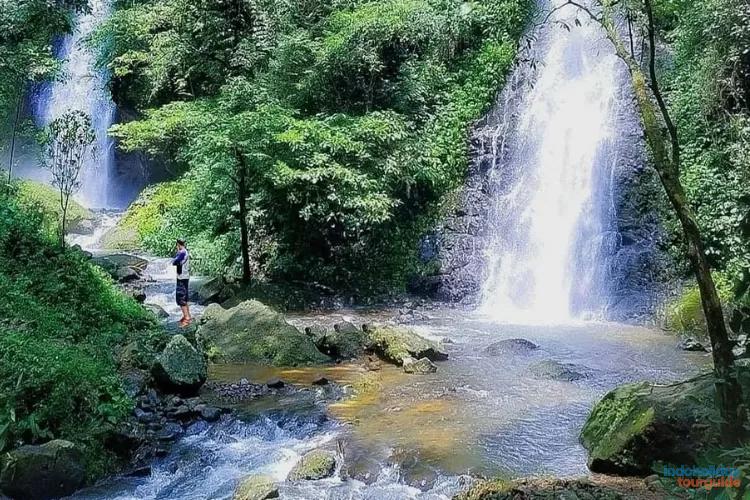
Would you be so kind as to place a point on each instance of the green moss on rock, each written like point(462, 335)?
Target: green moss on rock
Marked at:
point(317, 464)
point(396, 344)
point(636, 425)
point(253, 332)
point(256, 487)
point(180, 366)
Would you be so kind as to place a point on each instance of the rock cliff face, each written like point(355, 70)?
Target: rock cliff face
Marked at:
point(633, 264)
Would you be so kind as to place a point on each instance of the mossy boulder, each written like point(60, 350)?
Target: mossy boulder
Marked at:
point(318, 464)
point(396, 344)
point(419, 366)
point(51, 470)
point(256, 487)
point(636, 425)
point(553, 489)
point(346, 341)
point(180, 367)
point(253, 332)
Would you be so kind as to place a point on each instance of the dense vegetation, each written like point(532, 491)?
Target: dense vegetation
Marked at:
point(349, 120)
point(61, 320)
point(707, 76)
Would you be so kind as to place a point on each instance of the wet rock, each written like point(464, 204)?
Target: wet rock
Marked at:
point(52, 470)
point(690, 344)
point(139, 296)
point(143, 416)
point(275, 383)
point(180, 367)
point(320, 380)
point(208, 413)
point(511, 346)
point(142, 471)
point(85, 227)
point(256, 487)
point(111, 263)
point(134, 382)
point(636, 425)
point(318, 464)
point(346, 341)
point(157, 310)
point(422, 366)
point(552, 370)
point(253, 332)
point(210, 291)
point(169, 432)
point(548, 489)
point(395, 344)
point(127, 274)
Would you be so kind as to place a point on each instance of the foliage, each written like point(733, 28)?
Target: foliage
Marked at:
point(352, 119)
point(67, 144)
point(709, 91)
point(35, 196)
point(60, 321)
point(685, 313)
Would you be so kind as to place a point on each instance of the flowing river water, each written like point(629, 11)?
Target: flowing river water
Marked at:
point(483, 413)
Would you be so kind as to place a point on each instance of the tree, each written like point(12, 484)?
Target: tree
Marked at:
point(67, 143)
point(663, 139)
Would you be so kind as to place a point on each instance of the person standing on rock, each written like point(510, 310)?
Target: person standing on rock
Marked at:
point(182, 262)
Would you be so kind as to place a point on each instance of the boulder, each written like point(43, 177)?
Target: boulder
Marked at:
point(563, 489)
point(511, 346)
point(256, 487)
point(318, 464)
point(636, 425)
point(51, 470)
point(84, 226)
point(253, 332)
point(552, 370)
point(395, 344)
point(421, 366)
point(127, 274)
point(180, 367)
point(158, 310)
point(111, 263)
point(209, 291)
point(346, 341)
point(690, 344)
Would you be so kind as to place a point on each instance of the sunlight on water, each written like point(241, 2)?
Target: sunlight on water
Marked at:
point(544, 209)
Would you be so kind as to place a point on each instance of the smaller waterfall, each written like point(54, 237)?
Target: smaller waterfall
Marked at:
point(83, 87)
point(552, 159)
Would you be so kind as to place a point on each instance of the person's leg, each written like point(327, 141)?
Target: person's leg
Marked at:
point(186, 311)
point(181, 299)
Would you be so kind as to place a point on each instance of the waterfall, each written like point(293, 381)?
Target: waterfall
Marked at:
point(553, 150)
point(84, 88)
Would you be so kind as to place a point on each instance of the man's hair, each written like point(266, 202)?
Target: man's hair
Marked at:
point(180, 242)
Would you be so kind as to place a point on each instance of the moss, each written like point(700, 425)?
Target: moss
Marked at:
point(685, 313)
point(46, 199)
point(256, 487)
point(317, 464)
point(396, 344)
point(253, 332)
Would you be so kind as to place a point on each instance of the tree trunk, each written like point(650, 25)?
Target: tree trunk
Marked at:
point(656, 118)
point(64, 199)
point(242, 200)
point(13, 139)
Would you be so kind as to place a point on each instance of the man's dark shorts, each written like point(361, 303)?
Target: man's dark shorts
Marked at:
point(182, 292)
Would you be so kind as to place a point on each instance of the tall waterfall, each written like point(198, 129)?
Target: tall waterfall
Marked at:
point(84, 88)
point(554, 152)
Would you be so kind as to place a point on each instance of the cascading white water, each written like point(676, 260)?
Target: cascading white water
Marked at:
point(552, 160)
point(83, 87)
